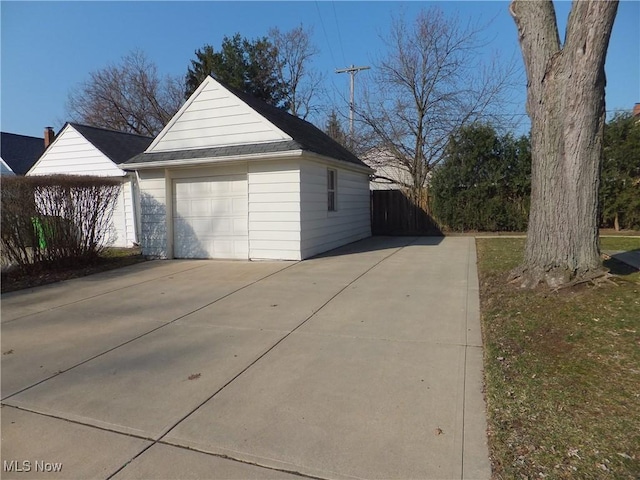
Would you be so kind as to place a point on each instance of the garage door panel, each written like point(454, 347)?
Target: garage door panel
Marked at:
point(210, 217)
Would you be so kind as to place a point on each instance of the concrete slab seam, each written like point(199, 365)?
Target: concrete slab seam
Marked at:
point(77, 422)
point(238, 460)
point(187, 415)
point(59, 372)
point(150, 439)
point(101, 294)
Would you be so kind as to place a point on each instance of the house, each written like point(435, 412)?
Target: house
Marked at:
point(233, 177)
point(389, 173)
point(18, 153)
point(83, 150)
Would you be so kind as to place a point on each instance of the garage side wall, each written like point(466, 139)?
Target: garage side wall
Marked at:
point(323, 230)
point(153, 211)
point(274, 210)
point(123, 219)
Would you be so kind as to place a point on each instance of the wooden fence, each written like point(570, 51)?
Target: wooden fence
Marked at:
point(394, 213)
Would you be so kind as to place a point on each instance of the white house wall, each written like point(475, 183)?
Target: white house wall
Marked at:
point(214, 117)
point(274, 210)
point(153, 213)
point(123, 216)
point(72, 154)
point(323, 230)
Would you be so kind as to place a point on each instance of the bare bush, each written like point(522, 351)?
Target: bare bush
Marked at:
point(57, 220)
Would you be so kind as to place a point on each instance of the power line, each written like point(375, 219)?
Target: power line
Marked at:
point(335, 16)
point(325, 35)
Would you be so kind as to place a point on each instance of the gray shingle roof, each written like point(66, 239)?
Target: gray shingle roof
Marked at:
point(20, 152)
point(305, 137)
point(229, 151)
point(118, 146)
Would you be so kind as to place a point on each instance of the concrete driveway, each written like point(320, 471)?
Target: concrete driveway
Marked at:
point(365, 362)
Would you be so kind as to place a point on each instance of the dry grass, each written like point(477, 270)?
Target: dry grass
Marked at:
point(562, 371)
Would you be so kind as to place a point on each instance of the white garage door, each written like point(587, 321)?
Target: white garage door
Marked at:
point(210, 217)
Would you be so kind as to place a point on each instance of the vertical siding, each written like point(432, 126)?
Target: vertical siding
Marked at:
point(274, 210)
point(153, 224)
point(323, 230)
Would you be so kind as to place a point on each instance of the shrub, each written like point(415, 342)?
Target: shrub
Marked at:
point(484, 182)
point(58, 219)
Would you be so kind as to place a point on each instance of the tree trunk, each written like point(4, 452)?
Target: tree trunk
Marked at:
point(565, 101)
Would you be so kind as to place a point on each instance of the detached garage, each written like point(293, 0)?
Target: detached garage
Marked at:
point(233, 177)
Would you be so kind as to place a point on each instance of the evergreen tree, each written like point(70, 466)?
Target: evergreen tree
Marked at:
point(483, 182)
point(250, 66)
point(620, 179)
point(333, 128)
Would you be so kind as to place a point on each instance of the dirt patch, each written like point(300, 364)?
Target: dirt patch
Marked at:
point(14, 279)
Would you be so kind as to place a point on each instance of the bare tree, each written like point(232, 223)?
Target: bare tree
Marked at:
point(565, 101)
point(130, 97)
point(430, 84)
point(295, 51)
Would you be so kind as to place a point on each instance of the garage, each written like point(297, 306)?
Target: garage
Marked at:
point(231, 176)
point(210, 217)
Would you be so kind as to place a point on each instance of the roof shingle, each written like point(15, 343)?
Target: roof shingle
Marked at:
point(20, 152)
point(118, 146)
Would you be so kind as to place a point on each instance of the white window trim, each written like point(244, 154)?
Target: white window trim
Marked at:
point(333, 190)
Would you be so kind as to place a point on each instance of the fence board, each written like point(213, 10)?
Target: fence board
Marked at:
point(393, 213)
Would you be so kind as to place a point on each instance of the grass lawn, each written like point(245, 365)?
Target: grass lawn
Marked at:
point(562, 371)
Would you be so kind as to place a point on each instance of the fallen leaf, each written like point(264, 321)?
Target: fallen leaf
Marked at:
point(573, 452)
point(194, 376)
point(8, 352)
point(439, 431)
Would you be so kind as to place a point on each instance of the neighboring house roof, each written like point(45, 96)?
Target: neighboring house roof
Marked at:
point(304, 136)
point(20, 152)
point(118, 146)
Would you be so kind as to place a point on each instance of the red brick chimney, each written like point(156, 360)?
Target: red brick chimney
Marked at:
point(636, 110)
point(49, 136)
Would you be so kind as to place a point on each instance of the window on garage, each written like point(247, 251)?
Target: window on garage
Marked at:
point(332, 194)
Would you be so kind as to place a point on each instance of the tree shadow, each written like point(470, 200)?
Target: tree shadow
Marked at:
point(617, 266)
point(153, 232)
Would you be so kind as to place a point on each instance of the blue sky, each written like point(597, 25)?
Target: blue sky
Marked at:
point(48, 48)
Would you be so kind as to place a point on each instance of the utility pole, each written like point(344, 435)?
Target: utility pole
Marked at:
point(352, 70)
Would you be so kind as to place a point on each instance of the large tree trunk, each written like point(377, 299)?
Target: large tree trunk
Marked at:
point(565, 101)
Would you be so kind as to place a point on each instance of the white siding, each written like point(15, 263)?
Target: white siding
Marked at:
point(153, 213)
point(323, 230)
point(124, 233)
point(274, 210)
point(72, 154)
point(214, 117)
